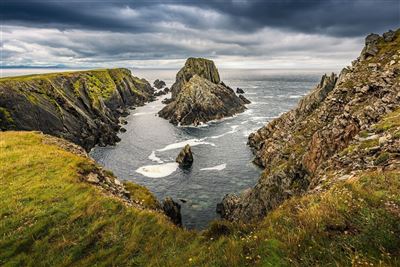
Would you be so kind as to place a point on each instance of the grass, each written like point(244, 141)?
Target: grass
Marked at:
point(49, 216)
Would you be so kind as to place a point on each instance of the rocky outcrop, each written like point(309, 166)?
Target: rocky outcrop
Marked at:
point(301, 149)
point(199, 96)
point(195, 66)
point(159, 84)
point(83, 107)
point(239, 91)
point(185, 157)
point(162, 92)
point(172, 210)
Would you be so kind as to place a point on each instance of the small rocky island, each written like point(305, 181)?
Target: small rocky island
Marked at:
point(198, 95)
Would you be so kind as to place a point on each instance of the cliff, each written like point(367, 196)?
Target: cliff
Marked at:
point(346, 126)
point(199, 96)
point(202, 67)
point(82, 107)
point(59, 208)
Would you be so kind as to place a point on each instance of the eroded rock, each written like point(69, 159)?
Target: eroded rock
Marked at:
point(172, 210)
point(185, 157)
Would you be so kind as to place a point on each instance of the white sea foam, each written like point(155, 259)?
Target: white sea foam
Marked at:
point(295, 96)
point(191, 142)
point(243, 122)
point(234, 129)
point(251, 93)
point(268, 96)
point(142, 113)
point(153, 157)
point(215, 168)
point(158, 171)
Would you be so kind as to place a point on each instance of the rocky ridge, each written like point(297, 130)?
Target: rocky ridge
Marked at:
point(198, 95)
point(347, 125)
point(83, 107)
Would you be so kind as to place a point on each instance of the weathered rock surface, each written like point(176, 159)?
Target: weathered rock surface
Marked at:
point(83, 107)
point(159, 84)
point(320, 142)
point(185, 157)
point(172, 210)
point(202, 67)
point(162, 92)
point(199, 96)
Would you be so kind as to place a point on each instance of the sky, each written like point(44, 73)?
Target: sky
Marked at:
point(162, 34)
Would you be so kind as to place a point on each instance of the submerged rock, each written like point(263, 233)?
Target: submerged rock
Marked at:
point(185, 157)
point(172, 210)
point(199, 96)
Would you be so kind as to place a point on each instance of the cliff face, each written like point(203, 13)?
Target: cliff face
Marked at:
point(82, 107)
point(340, 129)
point(202, 67)
point(199, 96)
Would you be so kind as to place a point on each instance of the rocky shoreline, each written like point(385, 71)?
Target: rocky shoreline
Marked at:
point(331, 135)
point(83, 107)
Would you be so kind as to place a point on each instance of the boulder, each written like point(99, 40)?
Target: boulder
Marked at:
point(371, 48)
point(389, 36)
point(159, 84)
point(239, 91)
point(172, 210)
point(185, 157)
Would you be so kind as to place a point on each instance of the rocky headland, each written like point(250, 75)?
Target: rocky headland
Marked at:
point(347, 126)
point(198, 95)
point(83, 107)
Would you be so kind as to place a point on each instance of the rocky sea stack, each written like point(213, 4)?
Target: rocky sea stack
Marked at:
point(198, 95)
point(185, 157)
point(83, 107)
point(347, 127)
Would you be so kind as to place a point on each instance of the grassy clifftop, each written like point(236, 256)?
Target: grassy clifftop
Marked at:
point(50, 216)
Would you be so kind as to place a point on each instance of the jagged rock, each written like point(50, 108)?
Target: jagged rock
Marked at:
point(320, 139)
point(185, 157)
point(167, 101)
point(202, 67)
point(159, 84)
point(162, 92)
point(239, 91)
point(389, 36)
point(198, 95)
point(370, 48)
point(122, 130)
point(172, 210)
point(83, 107)
point(244, 100)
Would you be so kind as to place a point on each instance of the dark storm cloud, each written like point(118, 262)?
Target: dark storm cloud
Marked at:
point(330, 17)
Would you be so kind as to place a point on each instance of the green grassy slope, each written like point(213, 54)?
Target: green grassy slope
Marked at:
point(49, 217)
